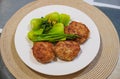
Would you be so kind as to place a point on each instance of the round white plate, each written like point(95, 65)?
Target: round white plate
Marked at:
point(88, 51)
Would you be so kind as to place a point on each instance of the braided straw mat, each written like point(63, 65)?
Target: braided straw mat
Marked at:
point(100, 68)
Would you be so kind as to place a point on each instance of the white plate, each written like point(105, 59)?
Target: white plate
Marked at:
point(89, 49)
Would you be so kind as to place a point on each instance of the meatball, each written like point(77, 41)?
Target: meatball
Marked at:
point(43, 52)
point(67, 50)
point(79, 29)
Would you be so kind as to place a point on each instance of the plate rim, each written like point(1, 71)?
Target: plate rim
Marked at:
point(64, 73)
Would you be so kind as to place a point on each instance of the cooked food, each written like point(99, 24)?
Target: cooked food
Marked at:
point(52, 23)
point(55, 28)
point(67, 50)
point(79, 29)
point(43, 52)
point(56, 33)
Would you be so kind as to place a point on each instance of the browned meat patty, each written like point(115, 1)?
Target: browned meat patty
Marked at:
point(79, 29)
point(43, 51)
point(67, 50)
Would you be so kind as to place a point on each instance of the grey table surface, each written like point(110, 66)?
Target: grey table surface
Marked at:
point(112, 2)
point(9, 7)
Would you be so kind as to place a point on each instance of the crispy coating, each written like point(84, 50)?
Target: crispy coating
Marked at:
point(79, 29)
point(67, 50)
point(43, 52)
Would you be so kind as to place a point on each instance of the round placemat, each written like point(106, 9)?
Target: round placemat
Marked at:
point(100, 68)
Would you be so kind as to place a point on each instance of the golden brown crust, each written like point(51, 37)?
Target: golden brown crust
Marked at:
point(43, 52)
point(67, 50)
point(79, 29)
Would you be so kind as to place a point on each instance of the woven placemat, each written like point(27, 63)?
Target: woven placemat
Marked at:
point(100, 68)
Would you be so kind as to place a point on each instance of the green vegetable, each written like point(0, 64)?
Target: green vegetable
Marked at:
point(52, 37)
point(35, 23)
point(46, 26)
point(41, 23)
point(33, 33)
point(58, 28)
point(65, 19)
point(50, 28)
point(38, 32)
point(30, 35)
point(53, 17)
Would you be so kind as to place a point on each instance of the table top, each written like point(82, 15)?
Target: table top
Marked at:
point(6, 11)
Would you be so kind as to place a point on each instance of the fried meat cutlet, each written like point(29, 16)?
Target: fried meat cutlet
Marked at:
point(43, 52)
point(78, 29)
point(67, 50)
